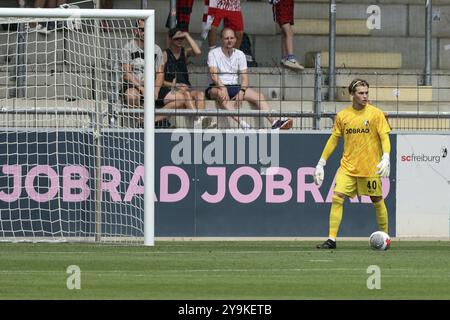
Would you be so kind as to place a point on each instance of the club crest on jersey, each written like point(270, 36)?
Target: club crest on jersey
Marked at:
point(366, 123)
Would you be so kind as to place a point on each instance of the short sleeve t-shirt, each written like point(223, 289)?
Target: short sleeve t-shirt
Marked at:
point(134, 55)
point(228, 67)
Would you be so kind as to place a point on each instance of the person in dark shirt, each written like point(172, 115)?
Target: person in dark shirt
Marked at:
point(177, 88)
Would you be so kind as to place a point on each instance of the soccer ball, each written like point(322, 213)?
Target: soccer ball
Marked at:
point(380, 240)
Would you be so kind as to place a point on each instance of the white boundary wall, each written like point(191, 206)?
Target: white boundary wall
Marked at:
point(423, 185)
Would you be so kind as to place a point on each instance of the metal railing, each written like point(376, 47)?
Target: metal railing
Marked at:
point(288, 94)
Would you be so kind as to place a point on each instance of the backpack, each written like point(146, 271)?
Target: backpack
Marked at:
point(246, 47)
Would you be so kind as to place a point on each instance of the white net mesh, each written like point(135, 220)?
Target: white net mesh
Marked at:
point(71, 162)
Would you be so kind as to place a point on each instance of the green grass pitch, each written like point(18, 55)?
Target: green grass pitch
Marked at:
point(288, 270)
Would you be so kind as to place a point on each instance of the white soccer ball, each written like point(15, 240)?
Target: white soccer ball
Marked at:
point(379, 240)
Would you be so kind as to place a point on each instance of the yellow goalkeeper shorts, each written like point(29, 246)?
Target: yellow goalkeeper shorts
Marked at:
point(362, 186)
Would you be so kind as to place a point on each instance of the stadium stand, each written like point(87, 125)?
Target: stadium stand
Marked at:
point(391, 58)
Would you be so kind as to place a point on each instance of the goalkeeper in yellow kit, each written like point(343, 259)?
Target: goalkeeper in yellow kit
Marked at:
point(365, 158)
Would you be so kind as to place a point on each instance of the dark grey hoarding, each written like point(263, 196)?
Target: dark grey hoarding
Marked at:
point(208, 184)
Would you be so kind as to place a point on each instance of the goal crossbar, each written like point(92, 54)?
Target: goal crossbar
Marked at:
point(82, 13)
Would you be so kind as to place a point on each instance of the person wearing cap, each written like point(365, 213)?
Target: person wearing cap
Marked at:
point(177, 86)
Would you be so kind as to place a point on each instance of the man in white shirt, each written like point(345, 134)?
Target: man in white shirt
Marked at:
point(226, 65)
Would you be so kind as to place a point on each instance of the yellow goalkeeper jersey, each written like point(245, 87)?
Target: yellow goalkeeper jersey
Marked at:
point(362, 145)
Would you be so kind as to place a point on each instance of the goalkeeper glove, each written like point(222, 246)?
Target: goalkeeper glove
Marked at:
point(384, 166)
point(319, 173)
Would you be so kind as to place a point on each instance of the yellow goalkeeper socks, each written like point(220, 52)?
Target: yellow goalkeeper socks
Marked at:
point(337, 207)
point(382, 215)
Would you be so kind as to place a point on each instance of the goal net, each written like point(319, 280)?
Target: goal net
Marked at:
point(71, 158)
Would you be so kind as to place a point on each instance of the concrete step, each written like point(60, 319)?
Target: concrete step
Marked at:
point(377, 77)
point(46, 121)
point(392, 93)
point(42, 104)
point(379, 60)
point(321, 26)
point(411, 49)
point(70, 46)
point(4, 92)
point(277, 78)
point(418, 123)
point(394, 107)
point(276, 84)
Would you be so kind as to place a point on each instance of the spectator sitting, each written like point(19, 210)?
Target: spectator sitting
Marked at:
point(225, 65)
point(133, 67)
point(133, 74)
point(177, 87)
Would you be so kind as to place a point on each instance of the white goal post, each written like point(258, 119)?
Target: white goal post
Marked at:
point(71, 164)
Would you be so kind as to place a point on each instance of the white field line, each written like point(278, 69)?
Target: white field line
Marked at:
point(321, 260)
point(152, 272)
point(184, 252)
point(355, 272)
point(289, 239)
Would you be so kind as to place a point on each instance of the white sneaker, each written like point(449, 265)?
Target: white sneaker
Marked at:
point(198, 123)
point(202, 122)
point(244, 125)
point(292, 63)
point(207, 122)
point(283, 124)
point(213, 125)
point(29, 28)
